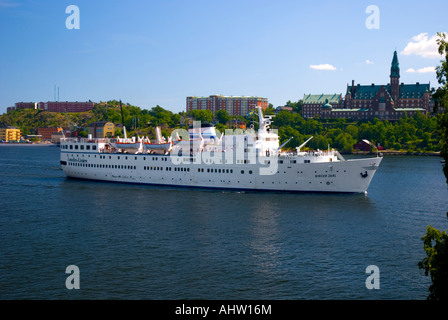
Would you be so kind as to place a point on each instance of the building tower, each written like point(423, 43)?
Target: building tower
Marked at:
point(395, 78)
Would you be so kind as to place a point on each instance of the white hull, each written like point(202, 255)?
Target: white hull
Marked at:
point(341, 176)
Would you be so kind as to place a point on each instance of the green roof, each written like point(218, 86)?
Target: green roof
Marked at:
point(349, 110)
point(406, 90)
point(322, 98)
point(410, 109)
point(364, 92)
point(413, 90)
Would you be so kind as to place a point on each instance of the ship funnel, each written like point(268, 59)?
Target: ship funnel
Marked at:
point(158, 135)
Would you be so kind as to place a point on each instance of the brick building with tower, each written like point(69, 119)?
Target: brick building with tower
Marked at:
point(385, 102)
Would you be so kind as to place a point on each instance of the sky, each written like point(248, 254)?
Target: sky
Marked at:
point(150, 53)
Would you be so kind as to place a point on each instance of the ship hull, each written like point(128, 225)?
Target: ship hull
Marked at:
point(291, 174)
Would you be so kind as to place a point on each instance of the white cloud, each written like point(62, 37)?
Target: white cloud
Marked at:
point(421, 70)
point(369, 62)
point(325, 66)
point(422, 45)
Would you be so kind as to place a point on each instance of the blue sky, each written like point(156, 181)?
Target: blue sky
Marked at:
point(152, 53)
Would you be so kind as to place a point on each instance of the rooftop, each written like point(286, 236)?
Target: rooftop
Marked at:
point(322, 98)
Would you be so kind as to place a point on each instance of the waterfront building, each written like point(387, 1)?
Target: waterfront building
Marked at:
point(365, 102)
point(101, 129)
point(66, 106)
point(10, 134)
point(282, 108)
point(313, 103)
point(54, 106)
point(46, 133)
point(234, 105)
point(25, 105)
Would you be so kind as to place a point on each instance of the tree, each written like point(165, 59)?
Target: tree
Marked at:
point(441, 99)
point(435, 241)
point(436, 262)
point(223, 116)
point(296, 106)
point(201, 115)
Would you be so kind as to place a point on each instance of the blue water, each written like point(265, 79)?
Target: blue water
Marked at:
point(140, 242)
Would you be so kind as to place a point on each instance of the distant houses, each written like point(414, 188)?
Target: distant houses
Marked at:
point(365, 145)
point(9, 134)
point(101, 129)
point(54, 106)
point(46, 133)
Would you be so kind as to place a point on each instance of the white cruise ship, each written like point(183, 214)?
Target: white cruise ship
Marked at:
point(201, 157)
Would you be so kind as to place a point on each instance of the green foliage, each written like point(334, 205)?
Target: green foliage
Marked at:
point(441, 99)
point(417, 133)
point(436, 242)
point(201, 115)
point(436, 262)
point(296, 106)
point(222, 116)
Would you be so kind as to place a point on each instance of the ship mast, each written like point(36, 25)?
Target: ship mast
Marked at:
point(122, 122)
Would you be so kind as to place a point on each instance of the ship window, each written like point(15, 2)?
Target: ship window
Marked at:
point(71, 147)
point(76, 147)
point(93, 147)
point(250, 171)
point(82, 147)
point(242, 171)
point(231, 170)
point(199, 170)
point(88, 147)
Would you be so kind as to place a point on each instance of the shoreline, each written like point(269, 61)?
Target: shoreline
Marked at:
point(7, 144)
point(397, 153)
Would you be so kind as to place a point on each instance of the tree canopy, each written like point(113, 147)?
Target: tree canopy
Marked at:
point(435, 242)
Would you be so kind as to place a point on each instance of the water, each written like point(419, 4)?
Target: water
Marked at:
point(140, 242)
